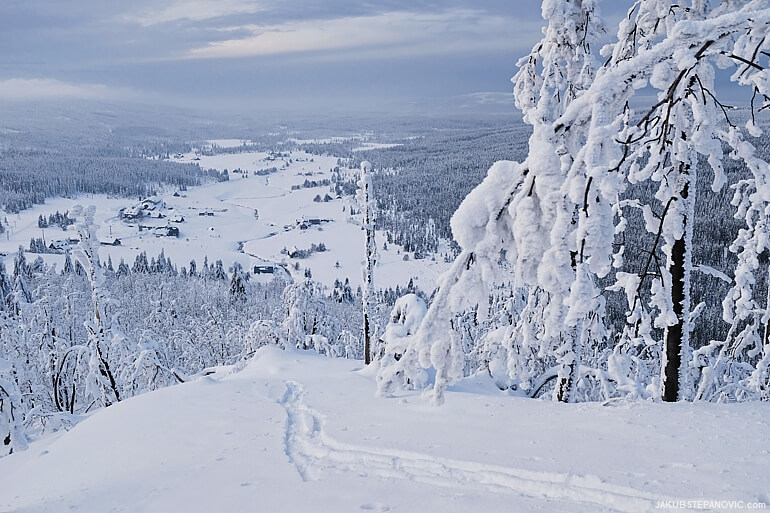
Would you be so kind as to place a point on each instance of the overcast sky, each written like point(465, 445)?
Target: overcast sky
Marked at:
point(273, 54)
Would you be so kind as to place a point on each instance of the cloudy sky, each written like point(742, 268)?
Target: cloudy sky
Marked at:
point(266, 54)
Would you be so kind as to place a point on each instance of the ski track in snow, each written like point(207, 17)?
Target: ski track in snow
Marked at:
point(311, 451)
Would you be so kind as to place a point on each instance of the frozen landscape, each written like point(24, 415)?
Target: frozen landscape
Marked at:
point(251, 219)
point(295, 258)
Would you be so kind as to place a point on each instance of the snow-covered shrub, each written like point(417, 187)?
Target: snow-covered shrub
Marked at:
point(306, 315)
point(397, 367)
point(264, 333)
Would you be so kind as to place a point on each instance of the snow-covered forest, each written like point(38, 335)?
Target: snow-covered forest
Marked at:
point(589, 153)
point(610, 250)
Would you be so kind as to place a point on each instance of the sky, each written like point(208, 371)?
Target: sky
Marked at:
point(318, 55)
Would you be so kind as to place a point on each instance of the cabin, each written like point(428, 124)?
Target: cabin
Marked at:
point(177, 219)
point(152, 203)
point(59, 245)
point(131, 213)
point(114, 241)
point(311, 221)
point(307, 222)
point(264, 269)
point(166, 231)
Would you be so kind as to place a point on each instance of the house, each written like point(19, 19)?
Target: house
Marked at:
point(177, 219)
point(152, 203)
point(131, 213)
point(166, 231)
point(59, 245)
point(311, 221)
point(157, 215)
point(307, 222)
point(114, 241)
point(172, 231)
point(206, 213)
point(264, 269)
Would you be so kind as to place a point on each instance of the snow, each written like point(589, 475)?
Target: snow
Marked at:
point(233, 204)
point(294, 431)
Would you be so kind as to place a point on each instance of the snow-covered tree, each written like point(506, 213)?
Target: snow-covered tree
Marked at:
point(675, 49)
point(238, 281)
point(518, 203)
point(306, 318)
point(6, 288)
point(588, 149)
point(12, 433)
point(366, 201)
point(109, 350)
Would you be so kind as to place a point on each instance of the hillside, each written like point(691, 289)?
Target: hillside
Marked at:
point(294, 431)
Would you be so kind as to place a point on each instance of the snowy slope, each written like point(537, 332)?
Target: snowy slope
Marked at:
point(295, 432)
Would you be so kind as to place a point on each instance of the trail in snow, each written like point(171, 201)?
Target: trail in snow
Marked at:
point(312, 451)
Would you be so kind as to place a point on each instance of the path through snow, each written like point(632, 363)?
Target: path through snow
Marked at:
point(312, 451)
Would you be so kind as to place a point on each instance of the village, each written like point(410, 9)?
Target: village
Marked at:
point(284, 224)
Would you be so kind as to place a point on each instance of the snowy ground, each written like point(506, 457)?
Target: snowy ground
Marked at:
point(295, 432)
point(233, 223)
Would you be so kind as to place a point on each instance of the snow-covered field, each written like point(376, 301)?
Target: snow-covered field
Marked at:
point(254, 220)
point(375, 146)
point(296, 432)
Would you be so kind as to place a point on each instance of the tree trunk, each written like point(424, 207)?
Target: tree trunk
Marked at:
point(676, 334)
point(564, 384)
point(367, 340)
point(568, 371)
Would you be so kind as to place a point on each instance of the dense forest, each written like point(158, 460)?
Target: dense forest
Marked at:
point(29, 177)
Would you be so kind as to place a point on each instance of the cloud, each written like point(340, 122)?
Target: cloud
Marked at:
point(390, 33)
point(47, 88)
point(193, 10)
